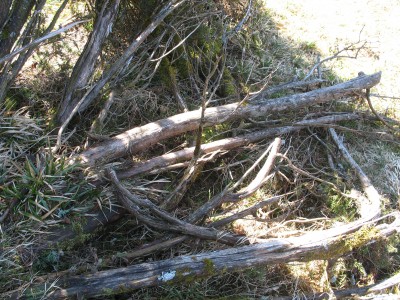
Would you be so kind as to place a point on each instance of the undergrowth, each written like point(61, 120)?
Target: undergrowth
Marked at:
point(47, 191)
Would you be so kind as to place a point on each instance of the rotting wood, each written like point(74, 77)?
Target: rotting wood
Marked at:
point(316, 245)
point(142, 137)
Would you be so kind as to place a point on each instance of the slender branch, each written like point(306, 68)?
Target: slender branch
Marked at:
point(369, 210)
point(41, 40)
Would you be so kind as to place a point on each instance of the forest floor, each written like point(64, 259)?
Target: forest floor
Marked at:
point(280, 44)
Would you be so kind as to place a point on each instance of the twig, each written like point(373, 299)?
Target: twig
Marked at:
point(40, 40)
point(239, 26)
point(227, 195)
point(367, 94)
point(337, 55)
point(194, 167)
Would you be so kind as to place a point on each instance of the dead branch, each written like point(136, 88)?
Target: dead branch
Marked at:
point(310, 246)
point(84, 67)
point(134, 205)
point(371, 209)
point(141, 138)
point(40, 40)
point(173, 158)
point(352, 47)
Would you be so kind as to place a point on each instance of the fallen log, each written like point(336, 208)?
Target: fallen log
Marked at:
point(173, 158)
point(317, 245)
point(142, 137)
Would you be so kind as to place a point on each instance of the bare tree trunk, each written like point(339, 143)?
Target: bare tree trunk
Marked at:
point(5, 7)
point(141, 138)
point(18, 16)
point(83, 69)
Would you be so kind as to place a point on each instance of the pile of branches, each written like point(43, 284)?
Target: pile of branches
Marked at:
point(239, 251)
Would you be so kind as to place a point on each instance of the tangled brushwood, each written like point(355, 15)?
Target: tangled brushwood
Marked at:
point(148, 144)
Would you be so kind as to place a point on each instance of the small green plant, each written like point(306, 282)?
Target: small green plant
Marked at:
point(46, 186)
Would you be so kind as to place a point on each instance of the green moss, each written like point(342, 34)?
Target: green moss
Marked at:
point(209, 267)
point(346, 244)
point(228, 85)
point(167, 74)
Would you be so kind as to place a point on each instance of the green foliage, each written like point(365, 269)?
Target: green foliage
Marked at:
point(48, 260)
point(46, 186)
point(228, 86)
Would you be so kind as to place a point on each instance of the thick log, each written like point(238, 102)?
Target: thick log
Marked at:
point(166, 160)
point(317, 245)
point(141, 138)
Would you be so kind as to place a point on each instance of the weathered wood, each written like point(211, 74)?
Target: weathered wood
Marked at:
point(135, 204)
point(141, 138)
point(186, 154)
point(316, 245)
point(84, 67)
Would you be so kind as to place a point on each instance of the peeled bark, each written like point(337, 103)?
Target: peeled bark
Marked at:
point(141, 138)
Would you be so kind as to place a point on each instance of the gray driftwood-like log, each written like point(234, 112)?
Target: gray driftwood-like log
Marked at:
point(141, 138)
point(316, 245)
point(173, 158)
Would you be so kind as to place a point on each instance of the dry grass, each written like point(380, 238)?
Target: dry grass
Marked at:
point(328, 26)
